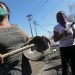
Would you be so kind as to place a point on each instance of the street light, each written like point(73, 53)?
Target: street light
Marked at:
point(29, 19)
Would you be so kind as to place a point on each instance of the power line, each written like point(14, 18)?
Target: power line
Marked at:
point(34, 8)
point(41, 7)
point(50, 11)
point(42, 28)
point(47, 31)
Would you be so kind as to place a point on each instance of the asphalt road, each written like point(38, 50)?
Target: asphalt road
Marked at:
point(50, 65)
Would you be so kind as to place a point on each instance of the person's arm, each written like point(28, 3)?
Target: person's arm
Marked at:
point(24, 33)
point(1, 59)
point(74, 34)
point(73, 28)
point(58, 36)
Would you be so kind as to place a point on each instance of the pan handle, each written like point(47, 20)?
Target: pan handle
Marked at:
point(17, 50)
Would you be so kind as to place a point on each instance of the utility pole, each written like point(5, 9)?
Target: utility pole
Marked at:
point(35, 27)
point(29, 19)
point(50, 35)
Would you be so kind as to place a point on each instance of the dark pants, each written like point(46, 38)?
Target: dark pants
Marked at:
point(67, 58)
point(26, 67)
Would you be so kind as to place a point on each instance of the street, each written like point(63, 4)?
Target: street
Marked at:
point(48, 65)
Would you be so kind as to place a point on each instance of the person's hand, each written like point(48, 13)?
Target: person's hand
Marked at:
point(1, 59)
point(65, 33)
